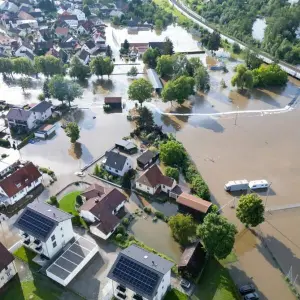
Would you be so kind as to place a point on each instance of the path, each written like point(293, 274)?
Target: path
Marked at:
point(292, 70)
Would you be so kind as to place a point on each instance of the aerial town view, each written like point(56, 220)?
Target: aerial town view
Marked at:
point(149, 149)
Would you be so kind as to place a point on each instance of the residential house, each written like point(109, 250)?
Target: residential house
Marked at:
point(25, 16)
point(25, 8)
point(140, 274)
point(79, 13)
point(113, 102)
point(103, 208)
point(85, 27)
point(44, 228)
point(42, 47)
point(84, 56)
point(61, 31)
point(7, 266)
point(5, 42)
point(99, 39)
point(126, 146)
point(38, 15)
point(8, 6)
point(192, 205)
point(71, 20)
point(153, 181)
point(25, 29)
point(116, 13)
point(8, 164)
point(117, 163)
point(18, 184)
point(24, 120)
point(147, 158)
point(90, 47)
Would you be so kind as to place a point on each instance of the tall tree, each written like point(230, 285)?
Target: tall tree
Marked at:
point(73, 132)
point(150, 56)
point(133, 71)
point(25, 83)
point(168, 47)
point(6, 65)
point(183, 228)
point(23, 66)
point(165, 65)
point(243, 78)
point(48, 65)
point(178, 89)
point(86, 11)
point(101, 66)
point(172, 153)
point(140, 90)
point(108, 51)
point(214, 41)
point(217, 235)
point(46, 91)
point(78, 69)
point(202, 79)
point(251, 59)
point(250, 210)
point(145, 119)
point(126, 45)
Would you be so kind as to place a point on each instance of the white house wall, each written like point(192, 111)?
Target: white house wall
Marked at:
point(164, 286)
point(145, 188)
point(7, 273)
point(88, 216)
point(127, 166)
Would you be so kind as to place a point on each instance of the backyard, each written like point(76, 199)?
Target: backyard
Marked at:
point(175, 295)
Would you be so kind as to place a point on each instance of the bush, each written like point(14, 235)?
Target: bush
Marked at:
point(79, 200)
point(147, 210)
point(4, 155)
point(159, 215)
point(125, 222)
point(4, 143)
point(200, 188)
point(106, 108)
point(25, 141)
point(41, 97)
point(172, 172)
point(53, 200)
point(236, 48)
point(119, 237)
point(131, 238)
point(121, 229)
point(76, 220)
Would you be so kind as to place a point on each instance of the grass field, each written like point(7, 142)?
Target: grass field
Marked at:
point(27, 256)
point(215, 284)
point(175, 295)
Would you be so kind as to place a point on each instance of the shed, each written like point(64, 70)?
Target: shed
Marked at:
point(192, 259)
point(126, 146)
point(147, 158)
point(154, 79)
point(45, 131)
point(113, 102)
point(195, 206)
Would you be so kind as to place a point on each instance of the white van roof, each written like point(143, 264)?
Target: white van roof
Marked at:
point(258, 182)
point(236, 182)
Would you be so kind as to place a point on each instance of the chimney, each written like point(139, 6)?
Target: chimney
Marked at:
point(54, 215)
point(97, 200)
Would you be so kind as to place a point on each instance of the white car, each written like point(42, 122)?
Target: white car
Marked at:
point(80, 174)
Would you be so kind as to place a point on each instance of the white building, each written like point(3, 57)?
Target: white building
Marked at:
point(117, 163)
point(44, 228)
point(71, 20)
point(79, 13)
point(18, 184)
point(7, 267)
point(100, 208)
point(8, 163)
point(153, 181)
point(139, 274)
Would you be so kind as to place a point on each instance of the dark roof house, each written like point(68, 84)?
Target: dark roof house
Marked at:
point(5, 257)
point(113, 102)
point(147, 158)
point(93, 191)
point(126, 146)
point(18, 114)
point(41, 107)
point(115, 160)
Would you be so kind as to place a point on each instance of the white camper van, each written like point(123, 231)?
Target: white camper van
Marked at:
point(237, 185)
point(258, 184)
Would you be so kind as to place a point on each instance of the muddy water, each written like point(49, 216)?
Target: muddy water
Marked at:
point(156, 235)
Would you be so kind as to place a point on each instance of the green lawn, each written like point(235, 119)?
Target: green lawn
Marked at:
point(41, 288)
point(175, 295)
point(231, 258)
point(215, 284)
point(27, 256)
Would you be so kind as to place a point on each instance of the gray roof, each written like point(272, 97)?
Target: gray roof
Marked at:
point(90, 44)
point(40, 219)
point(41, 107)
point(146, 156)
point(126, 144)
point(18, 114)
point(154, 79)
point(115, 160)
point(141, 271)
point(83, 54)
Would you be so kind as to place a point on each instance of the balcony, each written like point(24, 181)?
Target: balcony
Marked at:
point(37, 242)
point(121, 296)
point(25, 236)
point(121, 288)
point(38, 249)
point(137, 297)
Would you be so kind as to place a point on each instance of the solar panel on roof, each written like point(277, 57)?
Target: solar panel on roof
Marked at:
point(142, 279)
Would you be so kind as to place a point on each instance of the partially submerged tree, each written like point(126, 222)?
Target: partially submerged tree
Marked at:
point(133, 71)
point(165, 65)
point(145, 119)
point(202, 79)
point(150, 57)
point(140, 90)
point(217, 235)
point(168, 47)
point(78, 69)
point(243, 78)
point(23, 66)
point(48, 65)
point(250, 210)
point(101, 66)
point(6, 66)
point(72, 131)
point(172, 153)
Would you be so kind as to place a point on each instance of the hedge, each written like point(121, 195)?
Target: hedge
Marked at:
point(25, 141)
point(4, 143)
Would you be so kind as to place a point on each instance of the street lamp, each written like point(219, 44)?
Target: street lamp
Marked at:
point(236, 115)
point(267, 194)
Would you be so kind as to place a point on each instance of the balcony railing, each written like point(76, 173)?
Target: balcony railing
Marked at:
point(137, 297)
point(121, 288)
point(121, 296)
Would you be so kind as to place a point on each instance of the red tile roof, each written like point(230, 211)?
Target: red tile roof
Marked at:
point(61, 30)
point(5, 257)
point(109, 100)
point(153, 176)
point(194, 202)
point(20, 179)
point(95, 190)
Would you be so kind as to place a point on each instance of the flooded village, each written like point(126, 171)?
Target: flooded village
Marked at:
point(227, 134)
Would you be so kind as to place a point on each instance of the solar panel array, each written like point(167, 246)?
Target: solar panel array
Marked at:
point(140, 278)
point(36, 224)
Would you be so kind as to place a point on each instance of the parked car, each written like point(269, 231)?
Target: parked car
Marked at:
point(258, 184)
point(252, 296)
point(246, 289)
point(80, 174)
point(237, 185)
point(185, 284)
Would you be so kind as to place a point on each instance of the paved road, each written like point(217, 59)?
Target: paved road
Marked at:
point(291, 70)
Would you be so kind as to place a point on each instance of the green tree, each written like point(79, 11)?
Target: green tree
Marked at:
point(86, 11)
point(88, 2)
point(46, 91)
point(251, 60)
point(23, 66)
point(108, 51)
point(236, 48)
point(6, 65)
point(178, 89)
point(165, 64)
point(243, 78)
point(79, 200)
point(133, 71)
point(250, 210)
point(25, 83)
point(145, 119)
point(172, 172)
point(168, 47)
point(101, 66)
point(202, 79)
point(214, 41)
point(217, 235)
point(172, 153)
point(48, 65)
point(126, 46)
point(200, 188)
point(140, 90)
point(183, 228)
point(150, 56)
point(270, 75)
point(72, 131)
point(78, 69)
point(159, 24)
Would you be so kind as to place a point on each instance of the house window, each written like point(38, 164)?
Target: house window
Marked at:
point(52, 237)
point(117, 171)
point(54, 244)
point(140, 184)
point(148, 188)
point(163, 186)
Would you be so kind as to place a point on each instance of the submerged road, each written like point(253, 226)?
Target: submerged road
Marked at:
point(290, 69)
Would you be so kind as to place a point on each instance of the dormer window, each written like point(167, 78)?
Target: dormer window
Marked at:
point(18, 185)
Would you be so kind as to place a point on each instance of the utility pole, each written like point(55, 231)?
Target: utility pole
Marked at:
point(267, 194)
point(236, 115)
